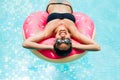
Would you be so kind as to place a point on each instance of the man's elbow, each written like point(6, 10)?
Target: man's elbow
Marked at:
point(98, 48)
point(25, 44)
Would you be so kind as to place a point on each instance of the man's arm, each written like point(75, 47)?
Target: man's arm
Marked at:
point(87, 43)
point(90, 47)
point(31, 43)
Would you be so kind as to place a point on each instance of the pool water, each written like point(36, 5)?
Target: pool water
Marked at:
point(18, 63)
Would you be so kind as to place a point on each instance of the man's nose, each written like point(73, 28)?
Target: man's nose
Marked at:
point(63, 36)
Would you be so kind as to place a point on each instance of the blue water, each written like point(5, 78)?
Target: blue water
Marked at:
point(17, 63)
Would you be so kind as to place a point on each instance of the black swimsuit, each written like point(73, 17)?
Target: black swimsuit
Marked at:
point(53, 16)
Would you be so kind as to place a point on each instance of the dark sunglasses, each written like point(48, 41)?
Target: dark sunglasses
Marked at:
point(66, 41)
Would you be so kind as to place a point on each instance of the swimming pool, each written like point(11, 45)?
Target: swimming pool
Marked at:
point(17, 63)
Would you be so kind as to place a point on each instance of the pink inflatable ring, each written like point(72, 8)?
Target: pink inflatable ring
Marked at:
point(37, 21)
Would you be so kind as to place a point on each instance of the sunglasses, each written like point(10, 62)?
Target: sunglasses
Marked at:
point(66, 41)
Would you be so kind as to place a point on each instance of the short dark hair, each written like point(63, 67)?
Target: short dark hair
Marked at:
point(62, 53)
